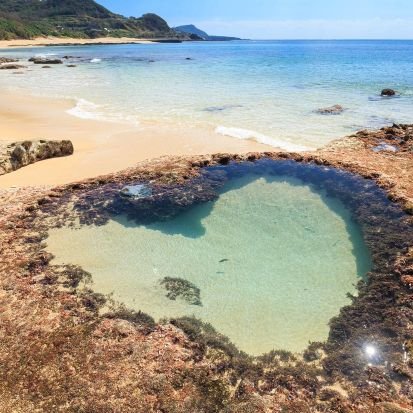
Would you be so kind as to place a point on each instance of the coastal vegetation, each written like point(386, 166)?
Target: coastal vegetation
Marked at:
point(26, 19)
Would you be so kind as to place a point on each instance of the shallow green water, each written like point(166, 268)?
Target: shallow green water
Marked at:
point(273, 259)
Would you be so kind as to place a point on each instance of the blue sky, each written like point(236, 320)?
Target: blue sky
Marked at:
point(282, 19)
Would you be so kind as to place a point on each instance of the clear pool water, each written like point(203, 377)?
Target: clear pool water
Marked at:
point(273, 258)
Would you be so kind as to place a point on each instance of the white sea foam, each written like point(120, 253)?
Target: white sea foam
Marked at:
point(84, 110)
point(260, 138)
point(44, 55)
point(95, 60)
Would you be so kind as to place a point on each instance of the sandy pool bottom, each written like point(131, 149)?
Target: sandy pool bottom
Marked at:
point(273, 259)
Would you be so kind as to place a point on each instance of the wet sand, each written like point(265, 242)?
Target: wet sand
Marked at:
point(100, 147)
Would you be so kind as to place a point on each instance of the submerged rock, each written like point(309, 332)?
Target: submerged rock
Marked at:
point(180, 288)
point(388, 92)
point(221, 108)
point(331, 110)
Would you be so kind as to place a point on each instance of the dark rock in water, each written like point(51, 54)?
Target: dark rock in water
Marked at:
point(45, 61)
point(11, 66)
point(332, 110)
point(46, 67)
point(189, 58)
point(388, 92)
point(136, 191)
point(71, 66)
point(179, 288)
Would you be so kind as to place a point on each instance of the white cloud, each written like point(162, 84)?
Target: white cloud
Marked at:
point(376, 28)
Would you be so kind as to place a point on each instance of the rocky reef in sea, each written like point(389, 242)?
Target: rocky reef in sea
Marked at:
point(180, 288)
point(77, 350)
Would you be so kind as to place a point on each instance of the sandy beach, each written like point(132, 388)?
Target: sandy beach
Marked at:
point(47, 41)
point(100, 147)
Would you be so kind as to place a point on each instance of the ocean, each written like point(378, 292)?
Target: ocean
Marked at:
point(268, 91)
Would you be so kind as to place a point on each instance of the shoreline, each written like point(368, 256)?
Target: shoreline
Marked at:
point(68, 41)
point(101, 147)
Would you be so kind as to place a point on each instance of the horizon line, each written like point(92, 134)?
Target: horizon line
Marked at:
point(322, 39)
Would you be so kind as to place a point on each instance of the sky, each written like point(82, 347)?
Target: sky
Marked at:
point(282, 19)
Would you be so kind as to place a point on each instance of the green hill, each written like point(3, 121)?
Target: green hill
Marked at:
point(74, 18)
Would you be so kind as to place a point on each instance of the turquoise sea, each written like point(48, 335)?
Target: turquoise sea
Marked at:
point(268, 91)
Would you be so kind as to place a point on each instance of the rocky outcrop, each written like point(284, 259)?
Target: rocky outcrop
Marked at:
point(45, 61)
point(331, 110)
point(7, 60)
point(15, 155)
point(388, 92)
point(11, 66)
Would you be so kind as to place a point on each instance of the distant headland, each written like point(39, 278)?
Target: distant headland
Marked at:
point(197, 34)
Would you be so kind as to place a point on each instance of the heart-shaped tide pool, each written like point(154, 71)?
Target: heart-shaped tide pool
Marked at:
point(273, 260)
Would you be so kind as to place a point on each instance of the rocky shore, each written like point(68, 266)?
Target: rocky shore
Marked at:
point(15, 155)
point(64, 347)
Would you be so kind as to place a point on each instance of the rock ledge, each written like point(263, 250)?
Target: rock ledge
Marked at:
point(15, 155)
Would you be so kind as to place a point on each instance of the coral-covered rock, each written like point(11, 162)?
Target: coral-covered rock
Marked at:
point(61, 350)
